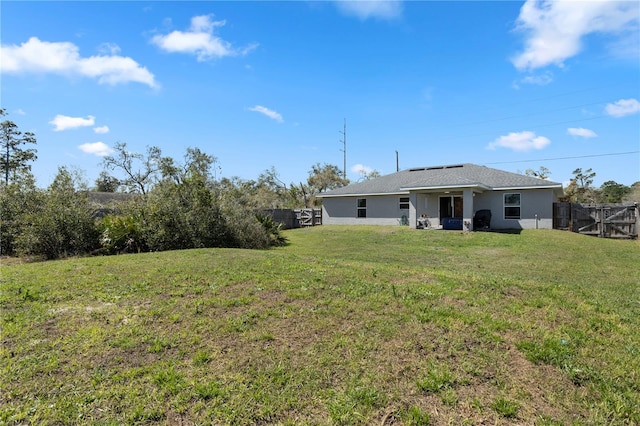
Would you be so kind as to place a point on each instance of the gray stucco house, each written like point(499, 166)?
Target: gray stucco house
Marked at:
point(444, 192)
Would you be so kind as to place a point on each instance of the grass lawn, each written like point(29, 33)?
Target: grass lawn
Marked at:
point(346, 325)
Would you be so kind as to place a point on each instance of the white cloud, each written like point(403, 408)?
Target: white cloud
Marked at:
point(100, 149)
point(623, 107)
point(364, 9)
point(109, 49)
point(269, 113)
point(37, 56)
point(538, 80)
point(555, 28)
point(199, 40)
point(583, 133)
point(520, 141)
point(101, 129)
point(361, 169)
point(20, 111)
point(63, 122)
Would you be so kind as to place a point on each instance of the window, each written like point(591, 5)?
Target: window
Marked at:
point(512, 206)
point(362, 207)
point(404, 203)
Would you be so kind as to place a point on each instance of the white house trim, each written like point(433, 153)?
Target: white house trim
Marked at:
point(478, 187)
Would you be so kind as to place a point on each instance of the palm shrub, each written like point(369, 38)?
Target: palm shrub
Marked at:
point(273, 229)
point(121, 233)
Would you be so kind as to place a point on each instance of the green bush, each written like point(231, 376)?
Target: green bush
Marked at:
point(179, 213)
point(121, 234)
point(17, 200)
point(273, 229)
point(243, 229)
point(62, 225)
point(183, 215)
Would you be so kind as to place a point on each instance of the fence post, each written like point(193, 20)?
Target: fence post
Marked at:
point(637, 221)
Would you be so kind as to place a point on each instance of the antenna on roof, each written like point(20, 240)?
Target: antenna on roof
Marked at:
point(397, 164)
point(344, 149)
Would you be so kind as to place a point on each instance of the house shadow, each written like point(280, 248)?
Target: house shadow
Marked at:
point(513, 231)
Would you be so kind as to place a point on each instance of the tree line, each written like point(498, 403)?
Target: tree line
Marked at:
point(581, 189)
point(165, 204)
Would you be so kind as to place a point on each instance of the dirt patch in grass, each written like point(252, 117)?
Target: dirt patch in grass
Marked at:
point(378, 329)
point(546, 390)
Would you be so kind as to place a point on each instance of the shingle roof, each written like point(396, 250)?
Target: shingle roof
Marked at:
point(107, 198)
point(453, 176)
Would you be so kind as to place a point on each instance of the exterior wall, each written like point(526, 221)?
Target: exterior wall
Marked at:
point(381, 210)
point(385, 209)
point(428, 204)
point(532, 202)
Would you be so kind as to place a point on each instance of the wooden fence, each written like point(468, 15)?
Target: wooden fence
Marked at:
point(601, 220)
point(309, 217)
point(295, 218)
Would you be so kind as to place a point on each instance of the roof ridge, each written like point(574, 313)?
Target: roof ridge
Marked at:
point(449, 176)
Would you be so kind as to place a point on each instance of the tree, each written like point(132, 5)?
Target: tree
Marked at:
point(579, 189)
point(325, 177)
point(181, 215)
point(192, 214)
point(106, 183)
point(267, 192)
point(369, 175)
point(196, 163)
point(272, 192)
point(140, 171)
point(62, 224)
point(541, 173)
point(613, 192)
point(235, 190)
point(17, 200)
point(634, 193)
point(14, 158)
point(188, 208)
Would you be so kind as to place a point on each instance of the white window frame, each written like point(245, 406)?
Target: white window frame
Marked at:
point(361, 208)
point(512, 205)
point(404, 203)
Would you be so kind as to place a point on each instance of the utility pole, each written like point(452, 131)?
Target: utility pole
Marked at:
point(397, 163)
point(344, 149)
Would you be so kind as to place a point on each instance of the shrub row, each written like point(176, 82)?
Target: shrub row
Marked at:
point(62, 221)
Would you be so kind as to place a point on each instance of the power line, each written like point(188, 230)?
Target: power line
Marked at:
point(533, 113)
point(529, 114)
point(565, 158)
point(528, 127)
point(559, 95)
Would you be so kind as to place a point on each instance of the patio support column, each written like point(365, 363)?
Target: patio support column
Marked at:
point(413, 215)
point(467, 210)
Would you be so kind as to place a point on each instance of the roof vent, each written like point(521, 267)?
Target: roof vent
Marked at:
point(419, 169)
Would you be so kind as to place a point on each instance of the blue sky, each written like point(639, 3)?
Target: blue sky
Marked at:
point(511, 85)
